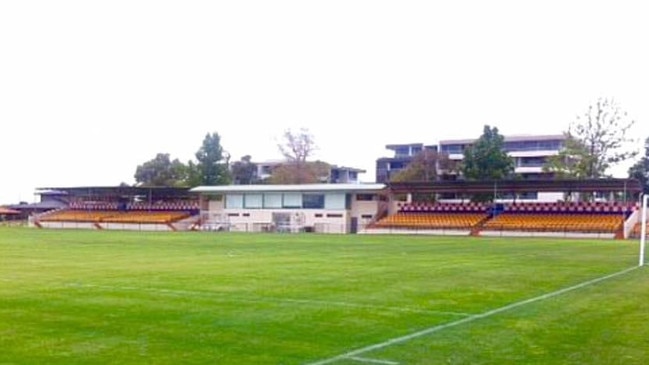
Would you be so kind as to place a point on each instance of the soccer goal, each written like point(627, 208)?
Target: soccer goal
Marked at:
point(643, 229)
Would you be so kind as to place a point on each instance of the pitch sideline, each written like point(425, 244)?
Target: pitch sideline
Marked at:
point(427, 331)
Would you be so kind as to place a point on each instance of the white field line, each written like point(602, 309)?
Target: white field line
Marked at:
point(373, 361)
point(272, 300)
point(427, 331)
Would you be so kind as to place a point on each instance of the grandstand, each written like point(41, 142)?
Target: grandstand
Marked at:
point(126, 208)
point(601, 219)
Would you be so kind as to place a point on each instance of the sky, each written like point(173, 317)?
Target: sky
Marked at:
point(91, 89)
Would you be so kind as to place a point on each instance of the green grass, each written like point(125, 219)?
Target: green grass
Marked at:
point(97, 297)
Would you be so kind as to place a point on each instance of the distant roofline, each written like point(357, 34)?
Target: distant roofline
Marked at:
point(393, 147)
point(352, 169)
point(222, 189)
point(397, 145)
point(512, 138)
point(280, 162)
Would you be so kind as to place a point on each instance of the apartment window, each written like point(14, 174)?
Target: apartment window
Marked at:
point(402, 151)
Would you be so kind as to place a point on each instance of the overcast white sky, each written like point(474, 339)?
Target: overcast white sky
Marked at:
point(91, 89)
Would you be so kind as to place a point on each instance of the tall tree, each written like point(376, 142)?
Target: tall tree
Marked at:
point(600, 135)
point(486, 159)
point(297, 147)
point(212, 166)
point(244, 172)
point(640, 170)
point(161, 171)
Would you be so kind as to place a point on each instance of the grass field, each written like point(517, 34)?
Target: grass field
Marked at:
point(93, 297)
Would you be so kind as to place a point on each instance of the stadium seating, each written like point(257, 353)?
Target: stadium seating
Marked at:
point(583, 217)
point(114, 216)
point(443, 207)
point(586, 223)
point(431, 220)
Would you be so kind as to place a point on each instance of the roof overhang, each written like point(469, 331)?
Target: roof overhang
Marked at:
point(519, 186)
point(324, 188)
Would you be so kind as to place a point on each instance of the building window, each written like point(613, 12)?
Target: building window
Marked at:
point(334, 215)
point(292, 200)
point(252, 201)
point(364, 197)
point(313, 201)
point(234, 201)
point(318, 215)
point(272, 200)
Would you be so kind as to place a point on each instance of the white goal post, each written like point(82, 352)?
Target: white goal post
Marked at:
point(643, 228)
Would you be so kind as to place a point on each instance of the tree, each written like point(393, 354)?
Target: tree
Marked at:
point(640, 170)
point(161, 171)
point(212, 166)
point(572, 161)
point(599, 137)
point(297, 148)
point(309, 172)
point(244, 172)
point(486, 159)
point(423, 167)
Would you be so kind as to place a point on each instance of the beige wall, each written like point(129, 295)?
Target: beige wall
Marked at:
point(255, 220)
point(360, 208)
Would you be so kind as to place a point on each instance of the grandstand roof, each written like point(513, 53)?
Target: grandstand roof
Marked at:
point(289, 188)
point(519, 186)
point(7, 211)
point(95, 191)
point(46, 205)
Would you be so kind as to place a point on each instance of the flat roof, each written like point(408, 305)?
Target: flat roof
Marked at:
point(513, 138)
point(221, 189)
point(397, 145)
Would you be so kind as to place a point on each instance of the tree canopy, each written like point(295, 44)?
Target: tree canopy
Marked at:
point(161, 171)
point(244, 171)
point(572, 161)
point(486, 159)
point(309, 172)
point(212, 166)
point(595, 142)
point(640, 170)
point(423, 167)
point(296, 148)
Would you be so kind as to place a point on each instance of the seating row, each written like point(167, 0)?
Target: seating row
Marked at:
point(431, 220)
point(591, 223)
point(115, 216)
point(568, 207)
point(133, 206)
